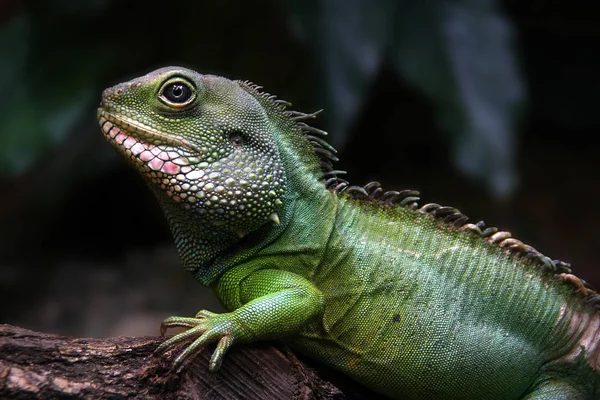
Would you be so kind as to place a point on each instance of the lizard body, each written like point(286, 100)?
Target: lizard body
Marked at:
point(414, 302)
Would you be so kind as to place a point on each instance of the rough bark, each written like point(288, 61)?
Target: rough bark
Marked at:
point(37, 365)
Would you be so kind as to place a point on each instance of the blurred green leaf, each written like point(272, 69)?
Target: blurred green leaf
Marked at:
point(351, 39)
point(40, 103)
point(459, 53)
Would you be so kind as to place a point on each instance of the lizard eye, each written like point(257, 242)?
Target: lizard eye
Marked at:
point(177, 93)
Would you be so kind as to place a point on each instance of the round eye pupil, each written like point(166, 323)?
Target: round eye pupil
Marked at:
point(177, 93)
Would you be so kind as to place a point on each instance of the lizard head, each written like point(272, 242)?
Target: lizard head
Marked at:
point(203, 144)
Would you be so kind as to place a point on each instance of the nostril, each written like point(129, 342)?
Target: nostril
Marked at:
point(113, 91)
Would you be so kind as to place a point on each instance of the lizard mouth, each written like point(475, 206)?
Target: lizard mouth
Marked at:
point(111, 123)
point(141, 143)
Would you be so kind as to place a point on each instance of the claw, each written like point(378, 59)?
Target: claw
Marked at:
point(180, 337)
point(182, 322)
point(205, 314)
point(217, 357)
point(206, 327)
point(191, 349)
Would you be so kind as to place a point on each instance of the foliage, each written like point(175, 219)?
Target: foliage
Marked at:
point(459, 53)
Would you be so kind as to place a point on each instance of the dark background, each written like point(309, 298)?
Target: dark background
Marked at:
point(488, 106)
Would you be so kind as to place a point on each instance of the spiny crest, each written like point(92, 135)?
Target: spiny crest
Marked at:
point(454, 218)
point(278, 104)
point(324, 151)
point(409, 198)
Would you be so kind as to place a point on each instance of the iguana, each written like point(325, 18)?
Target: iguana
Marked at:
point(412, 301)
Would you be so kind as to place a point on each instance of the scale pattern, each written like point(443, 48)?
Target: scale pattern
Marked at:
point(416, 302)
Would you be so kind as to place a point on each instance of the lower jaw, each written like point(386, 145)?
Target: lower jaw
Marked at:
point(157, 159)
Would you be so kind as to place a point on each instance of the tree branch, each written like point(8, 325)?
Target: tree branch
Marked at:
point(37, 365)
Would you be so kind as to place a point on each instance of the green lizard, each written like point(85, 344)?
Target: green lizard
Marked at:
point(412, 301)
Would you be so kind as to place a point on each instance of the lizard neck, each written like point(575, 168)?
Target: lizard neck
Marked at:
point(307, 204)
point(198, 240)
point(208, 249)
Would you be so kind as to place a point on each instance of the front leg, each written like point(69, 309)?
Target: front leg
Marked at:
point(265, 303)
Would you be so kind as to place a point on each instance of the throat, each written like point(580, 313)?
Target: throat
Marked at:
point(199, 242)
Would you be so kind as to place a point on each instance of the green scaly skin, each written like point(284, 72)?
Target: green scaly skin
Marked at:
point(414, 303)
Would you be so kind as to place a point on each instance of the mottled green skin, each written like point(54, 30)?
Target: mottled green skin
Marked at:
point(400, 301)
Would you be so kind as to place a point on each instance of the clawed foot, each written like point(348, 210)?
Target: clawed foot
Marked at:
point(205, 327)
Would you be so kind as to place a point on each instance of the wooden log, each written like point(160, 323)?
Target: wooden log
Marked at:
point(44, 366)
